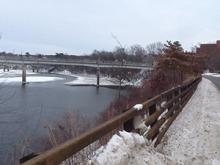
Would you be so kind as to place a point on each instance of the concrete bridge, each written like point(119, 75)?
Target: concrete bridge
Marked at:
point(93, 64)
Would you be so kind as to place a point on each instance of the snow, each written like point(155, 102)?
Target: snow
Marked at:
point(193, 138)
point(138, 107)
point(81, 79)
point(14, 76)
point(162, 114)
point(15, 72)
point(163, 104)
point(89, 79)
point(211, 74)
point(216, 75)
point(126, 149)
point(64, 72)
point(208, 74)
point(92, 80)
point(138, 122)
point(35, 79)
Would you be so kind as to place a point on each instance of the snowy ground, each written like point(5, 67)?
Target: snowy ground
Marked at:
point(212, 74)
point(15, 72)
point(14, 76)
point(81, 79)
point(193, 138)
point(127, 149)
point(91, 80)
point(35, 79)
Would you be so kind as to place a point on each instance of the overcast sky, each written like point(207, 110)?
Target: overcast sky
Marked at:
point(80, 26)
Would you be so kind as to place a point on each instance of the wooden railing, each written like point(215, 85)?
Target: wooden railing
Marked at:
point(159, 111)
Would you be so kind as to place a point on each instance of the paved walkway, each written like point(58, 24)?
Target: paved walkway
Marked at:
point(214, 80)
point(194, 137)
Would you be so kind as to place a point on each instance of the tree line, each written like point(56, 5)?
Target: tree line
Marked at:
point(134, 53)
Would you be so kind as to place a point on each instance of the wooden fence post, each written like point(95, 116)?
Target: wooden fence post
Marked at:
point(152, 109)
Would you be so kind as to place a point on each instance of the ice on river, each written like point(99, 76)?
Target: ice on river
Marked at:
point(14, 76)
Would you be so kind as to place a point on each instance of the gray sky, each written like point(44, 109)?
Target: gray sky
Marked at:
point(80, 26)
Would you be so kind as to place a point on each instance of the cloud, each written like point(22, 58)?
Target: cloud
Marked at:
point(81, 26)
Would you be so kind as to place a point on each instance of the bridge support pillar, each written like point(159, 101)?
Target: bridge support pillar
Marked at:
point(23, 74)
point(98, 77)
point(5, 67)
point(35, 69)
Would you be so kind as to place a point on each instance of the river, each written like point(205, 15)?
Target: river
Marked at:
point(25, 110)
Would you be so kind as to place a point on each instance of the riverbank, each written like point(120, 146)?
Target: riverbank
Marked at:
point(91, 80)
point(14, 76)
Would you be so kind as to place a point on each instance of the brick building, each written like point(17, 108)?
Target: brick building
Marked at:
point(209, 49)
point(212, 52)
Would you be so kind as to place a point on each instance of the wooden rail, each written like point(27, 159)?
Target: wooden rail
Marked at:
point(174, 100)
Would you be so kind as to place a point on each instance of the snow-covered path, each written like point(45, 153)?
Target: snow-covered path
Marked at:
point(193, 138)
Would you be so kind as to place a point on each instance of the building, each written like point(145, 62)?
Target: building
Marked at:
point(212, 52)
point(209, 49)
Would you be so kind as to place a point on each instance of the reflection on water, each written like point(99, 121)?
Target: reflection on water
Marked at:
point(25, 110)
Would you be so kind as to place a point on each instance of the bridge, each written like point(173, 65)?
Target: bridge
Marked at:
point(85, 63)
point(90, 63)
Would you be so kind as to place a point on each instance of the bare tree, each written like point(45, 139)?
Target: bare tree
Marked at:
point(138, 51)
point(154, 48)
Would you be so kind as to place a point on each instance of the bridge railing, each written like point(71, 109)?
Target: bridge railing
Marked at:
point(77, 61)
point(159, 112)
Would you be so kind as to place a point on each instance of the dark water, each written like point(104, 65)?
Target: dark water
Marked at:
point(24, 111)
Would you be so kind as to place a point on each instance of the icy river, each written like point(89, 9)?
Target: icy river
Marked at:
point(25, 110)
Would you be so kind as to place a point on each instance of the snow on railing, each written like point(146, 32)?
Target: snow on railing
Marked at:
point(138, 107)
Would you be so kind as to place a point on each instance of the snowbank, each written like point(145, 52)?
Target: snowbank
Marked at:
point(126, 149)
point(216, 75)
point(14, 76)
point(92, 81)
point(64, 72)
point(29, 79)
point(211, 74)
point(15, 72)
